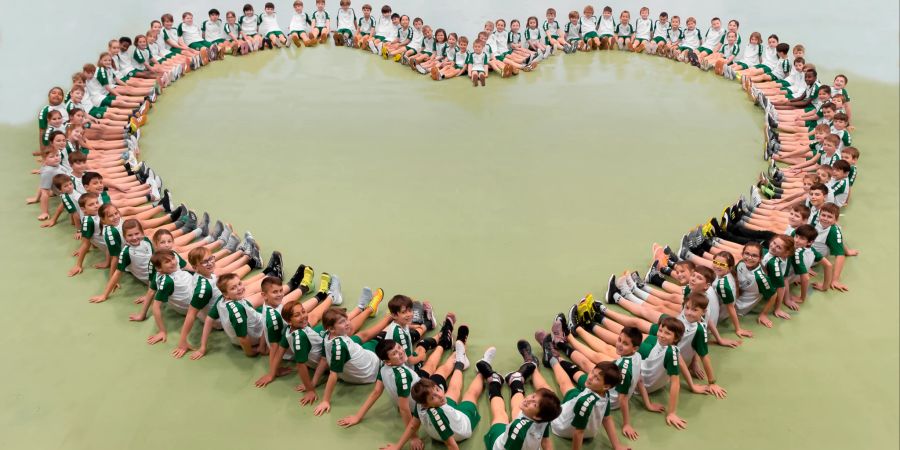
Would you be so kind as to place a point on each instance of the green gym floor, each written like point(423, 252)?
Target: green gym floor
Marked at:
point(504, 205)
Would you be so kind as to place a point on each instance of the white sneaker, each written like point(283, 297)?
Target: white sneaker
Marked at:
point(461, 357)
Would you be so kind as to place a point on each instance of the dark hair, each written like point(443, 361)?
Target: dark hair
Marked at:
point(269, 281)
point(755, 245)
point(331, 316)
point(104, 208)
point(60, 179)
point(610, 373)
point(832, 209)
point(819, 187)
point(399, 303)
point(549, 407)
point(841, 165)
point(686, 263)
point(735, 22)
point(607, 9)
point(782, 48)
point(161, 256)
point(802, 209)
point(697, 300)
point(384, 347)
point(84, 199)
point(132, 223)
point(395, 16)
point(707, 273)
point(248, 7)
point(385, 9)
point(269, 5)
point(222, 283)
point(89, 176)
point(634, 335)
point(420, 390)
point(214, 11)
point(674, 325)
point(663, 14)
point(807, 231)
point(287, 310)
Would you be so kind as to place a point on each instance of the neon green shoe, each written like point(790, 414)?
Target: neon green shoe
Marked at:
point(307, 278)
point(585, 309)
point(376, 300)
point(324, 284)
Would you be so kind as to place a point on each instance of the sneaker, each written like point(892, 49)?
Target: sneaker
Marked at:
point(560, 329)
point(430, 323)
point(166, 202)
point(294, 282)
point(483, 366)
point(572, 319)
point(659, 254)
point(636, 280)
point(274, 266)
point(376, 300)
point(177, 213)
point(460, 348)
point(611, 289)
point(670, 254)
point(364, 298)
point(623, 283)
point(524, 349)
point(324, 284)
point(334, 290)
point(372, 47)
point(418, 313)
point(547, 346)
point(445, 337)
point(225, 234)
point(190, 222)
point(435, 73)
point(653, 276)
point(585, 309)
point(203, 224)
point(216, 231)
point(462, 333)
point(232, 243)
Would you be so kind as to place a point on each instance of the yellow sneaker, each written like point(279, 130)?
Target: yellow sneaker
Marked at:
point(585, 308)
point(307, 276)
point(398, 57)
point(324, 284)
point(376, 300)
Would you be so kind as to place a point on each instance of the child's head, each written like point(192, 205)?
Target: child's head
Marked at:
point(515, 24)
point(821, 131)
point(335, 322)
point(829, 214)
point(230, 286)
point(164, 261)
point(840, 81)
point(55, 96)
point(817, 194)
point(723, 262)
point(124, 43)
point(782, 50)
point(823, 174)
point(670, 331)
point(231, 17)
point(841, 120)
point(798, 65)
point(798, 215)
point(463, 43)
point(109, 215)
point(162, 239)
point(588, 11)
point(532, 22)
point(645, 12)
point(799, 51)
point(298, 6)
point(89, 204)
point(391, 352)
point(805, 235)
point(733, 25)
point(202, 260)
point(773, 40)
point(63, 183)
point(133, 231)
point(214, 14)
point(850, 154)
point(824, 93)
point(400, 308)
point(755, 38)
point(837, 100)
point(320, 5)
point(781, 246)
point(417, 23)
point(395, 19)
point(78, 162)
point(701, 279)
point(428, 394)
point(272, 290)
point(731, 37)
point(440, 35)
point(628, 341)
point(603, 377)
point(55, 118)
point(483, 36)
point(451, 39)
point(501, 25)
point(167, 20)
point(831, 141)
point(573, 16)
point(715, 23)
point(140, 41)
point(541, 406)
point(92, 182)
point(691, 23)
point(367, 10)
point(404, 21)
point(345, 4)
point(57, 138)
point(551, 14)
point(809, 75)
point(751, 254)
point(663, 16)
point(187, 18)
point(247, 9)
point(607, 12)
point(624, 16)
point(695, 305)
point(478, 46)
point(293, 313)
point(840, 169)
point(385, 10)
point(426, 31)
point(50, 157)
point(676, 22)
point(682, 271)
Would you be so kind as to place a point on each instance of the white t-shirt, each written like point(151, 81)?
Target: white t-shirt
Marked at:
point(238, 319)
point(351, 361)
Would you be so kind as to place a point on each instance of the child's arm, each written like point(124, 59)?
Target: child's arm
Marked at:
point(183, 346)
point(732, 314)
point(671, 417)
point(160, 335)
point(325, 405)
point(610, 426)
point(714, 330)
point(763, 318)
point(110, 286)
point(247, 346)
point(655, 407)
point(711, 386)
point(141, 316)
point(829, 274)
point(207, 329)
point(309, 385)
point(836, 274)
point(44, 198)
point(81, 253)
point(354, 419)
point(411, 429)
point(578, 439)
point(627, 429)
point(274, 361)
point(54, 218)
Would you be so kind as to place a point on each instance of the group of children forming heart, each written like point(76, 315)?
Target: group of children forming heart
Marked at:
point(759, 257)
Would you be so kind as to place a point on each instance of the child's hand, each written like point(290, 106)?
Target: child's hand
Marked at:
point(838, 286)
point(656, 407)
point(140, 300)
point(198, 354)
point(43, 217)
point(717, 391)
point(264, 380)
point(98, 299)
point(309, 398)
point(700, 389)
point(157, 338)
point(731, 343)
point(390, 447)
point(75, 253)
point(416, 444)
point(349, 421)
point(672, 419)
point(75, 271)
point(792, 304)
point(137, 317)
point(103, 265)
point(629, 432)
point(744, 333)
point(180, 351)
point(819, 286)
point(851, 252)
point(48, 224)
point(764, 321)
point(322, 408)
point(782, 315)
point(31, 200)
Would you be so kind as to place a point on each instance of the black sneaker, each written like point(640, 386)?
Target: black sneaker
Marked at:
point(653, 276)
point(128, 169)
point(493, 378)
point(445, 337)
point(177, 212)
point(255, 261)
point(514, 376)
point(667, 271)
point(525, 350)
point(547, 346)
point(418, 313)
point(462, 333)
point(275, 266)
point(166, 201)
point(638, 281)
point(611, 290)
point(295, 280)
point(484, 368)
point(573, 320)
point(560, 328)
point(670, 253)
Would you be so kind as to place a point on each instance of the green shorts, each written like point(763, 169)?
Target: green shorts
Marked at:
point(457, 67)
point(789, 95)
point(625, 37)
point(345, 31)
point(682, 48)
point(363, 33)
point(468, 409)
point(764, 68)
point(299, 34)
point(589, 35)
point(705, 50)
point(639, 40)
point(783, 83)
point(176, 51)
point(743, 65)
point(502, 56)
point(605, 35)
point(497, 430)
point(381, 38)
point(217, 41)
point(659, 39)
point(107, 101)
point(275, 33)
point(199, 44)
point(574, 41)
point(320, 29)
point(370, 346)
point(97, 112)
point(414, 51)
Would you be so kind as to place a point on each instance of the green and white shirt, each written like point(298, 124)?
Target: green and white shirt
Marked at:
point(70, 202)
point(152, 270)
point(691, 38)
point(404, 35)
point(830, 241)
point(730, 51)
point(803, 259)
point(514, 37)
point(347, 358)
point(675, 35)
point(500, 43)
point(275, 324)
point(204, 291)
point(477, 61)
point(460, 58)
point(694, 339)
point(300, 22)
point(345, 19)
point(658, 362)
point(213, 31)
point(93, 231)
point(583, 412)
point(841, 191)
point(444, 422)
point(661, 29)
point(630, 368)
point(769, 57)
point(249, 25)
point(140, 59)
point(643, 28)
point(533, 34)
point(752, 55)
point(44, 115)
point(782, 69)
point(398, 382)
point(190, 33)
point(624, 29)
point(775, 269)
point(522, 433)
point(606, 26)
point(713, 37)
point(175, 289)
point(304, 345)
point(846, 141)
point(320, 18)
point(112, 236)
point(238, 319)
point(573, 31)
point(417, 41)
point(135, 259)
point(852, 176)
point(401, 336)
point(551, 28)
point(268, 23)
point(754, 286)
point(587, 25)
point(366, 25)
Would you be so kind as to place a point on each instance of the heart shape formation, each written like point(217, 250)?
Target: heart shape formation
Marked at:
point(750, 219)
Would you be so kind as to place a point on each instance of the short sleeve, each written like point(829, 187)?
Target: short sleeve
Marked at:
point(725, 291)
point(214, 311)
point(113, 240)
point(835, 241)
point(67, 202)
point(180, 31)
point(124, 259)
point(699, 343)
point(165, 289)
point(340, 355)
point(798, 262)
point(237, 315)
point(202, 294)
point(87, 227)
point(403, 380)
point(670, 360)
point(42, 117)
